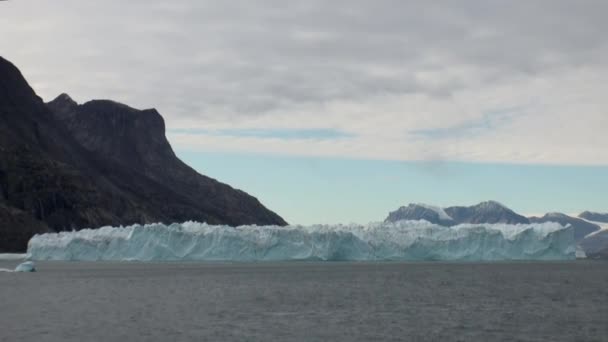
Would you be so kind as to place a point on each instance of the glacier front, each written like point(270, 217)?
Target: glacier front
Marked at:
point(402, 240)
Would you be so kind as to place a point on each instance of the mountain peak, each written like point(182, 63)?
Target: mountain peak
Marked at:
point(492, 205)
point(555, 214)
point(109, 104)
point(63, 105)
point(486, 212)
point(63, 97)
point(593, 216)
point(110, 108)
point(419, 211)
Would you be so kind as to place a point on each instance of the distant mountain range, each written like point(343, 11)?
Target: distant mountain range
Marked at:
point(485, 212)
point(588, 231)
point(67, 166)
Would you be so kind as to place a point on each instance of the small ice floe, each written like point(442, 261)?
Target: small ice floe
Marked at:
point(27, 266)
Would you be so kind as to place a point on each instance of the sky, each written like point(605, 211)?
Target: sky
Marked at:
point(341, 111)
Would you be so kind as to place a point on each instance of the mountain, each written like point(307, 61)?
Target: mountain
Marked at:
point(10, 219)
point(135, 139)
point(582, 228)
point(596, 217)
point(486, 212)
point(66, 166)
point(415, 212)
point(595, 243)
point(589, 236)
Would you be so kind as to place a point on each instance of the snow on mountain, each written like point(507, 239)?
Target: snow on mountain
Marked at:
point(442, 214)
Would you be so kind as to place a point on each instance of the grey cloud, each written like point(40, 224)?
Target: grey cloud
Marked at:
point(190, 57)
point(485, 125)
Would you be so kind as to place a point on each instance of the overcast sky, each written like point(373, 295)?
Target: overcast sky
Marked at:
point(518, 82)
point(501, 81)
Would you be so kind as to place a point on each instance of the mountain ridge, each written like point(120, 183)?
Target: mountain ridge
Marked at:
point(60, 172)
point(589, 235)
point(484, 212)
point(136, 140)
point(582, 228)
point(593, 216)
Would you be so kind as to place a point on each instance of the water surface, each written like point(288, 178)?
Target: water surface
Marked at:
point(63, 301)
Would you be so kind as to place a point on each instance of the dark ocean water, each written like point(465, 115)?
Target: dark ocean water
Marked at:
point(560, 301)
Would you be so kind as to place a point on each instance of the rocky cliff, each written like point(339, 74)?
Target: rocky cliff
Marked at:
point(66, 166)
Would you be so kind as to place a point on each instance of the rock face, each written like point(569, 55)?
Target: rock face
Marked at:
point(582, 228)
point(596, 217)
point(17, 227)
point(416, 212)
point(135, 139)
point(67, 166)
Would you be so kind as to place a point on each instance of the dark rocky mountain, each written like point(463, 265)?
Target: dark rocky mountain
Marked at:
point(69, 166)
point(485, 212)
point(582, 228)
point(17, 227)
point(596, 217)
point(135, 139)
point(415, 212)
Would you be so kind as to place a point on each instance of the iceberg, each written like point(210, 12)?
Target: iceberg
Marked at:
point(402, 240)
point(27, 266)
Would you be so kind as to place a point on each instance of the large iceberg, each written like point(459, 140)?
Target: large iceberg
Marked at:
point(403, 240)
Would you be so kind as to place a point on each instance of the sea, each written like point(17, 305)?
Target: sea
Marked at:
point(305, 301)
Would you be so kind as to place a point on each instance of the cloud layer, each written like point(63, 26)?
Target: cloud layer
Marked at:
point(478, 81)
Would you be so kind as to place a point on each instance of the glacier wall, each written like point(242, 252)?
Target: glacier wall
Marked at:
point(403, 240)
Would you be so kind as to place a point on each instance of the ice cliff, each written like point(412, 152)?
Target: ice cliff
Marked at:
point(402, 240)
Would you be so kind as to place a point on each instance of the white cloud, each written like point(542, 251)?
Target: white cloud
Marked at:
point(410, 80)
